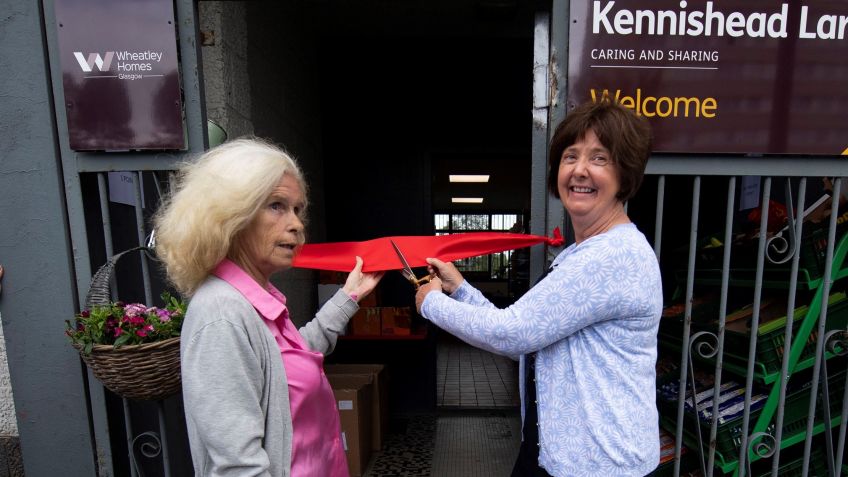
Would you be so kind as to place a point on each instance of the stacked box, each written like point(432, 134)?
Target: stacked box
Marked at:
point(353, 399)
point(382, 320)
point(396, 321)
point(380, 396)
point(369, 300)
point(366, 322)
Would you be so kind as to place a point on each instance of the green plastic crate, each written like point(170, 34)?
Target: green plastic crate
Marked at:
point(795, 467)
point(812, 255)
point(814, 245)
point(728, 434)
point(770, 336)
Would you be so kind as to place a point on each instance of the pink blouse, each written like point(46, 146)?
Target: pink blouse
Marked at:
point(316, 433)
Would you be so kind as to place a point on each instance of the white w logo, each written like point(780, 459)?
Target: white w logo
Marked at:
point(103, 64)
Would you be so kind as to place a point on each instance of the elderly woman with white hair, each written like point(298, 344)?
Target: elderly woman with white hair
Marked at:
point(255, 395)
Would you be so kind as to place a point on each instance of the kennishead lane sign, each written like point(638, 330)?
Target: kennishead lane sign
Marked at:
point(735, 76)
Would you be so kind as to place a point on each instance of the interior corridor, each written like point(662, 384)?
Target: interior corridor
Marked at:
point(476, 431)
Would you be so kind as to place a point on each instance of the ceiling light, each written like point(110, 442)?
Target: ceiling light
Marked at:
point(467, 200)
point(469, 178)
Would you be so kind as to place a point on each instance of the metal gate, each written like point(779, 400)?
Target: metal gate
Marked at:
point(762, 327)
point(757, 319)
point(129, 437)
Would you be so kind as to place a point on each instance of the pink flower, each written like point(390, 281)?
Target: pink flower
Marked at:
point(129, 323)
point(133, 320)
point(135, 309)
point(164, 315)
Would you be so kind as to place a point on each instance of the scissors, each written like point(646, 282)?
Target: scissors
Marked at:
point(406, 271)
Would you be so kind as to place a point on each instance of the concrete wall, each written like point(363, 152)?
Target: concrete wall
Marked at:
point(260, 80)
point(223, 30)
point(10, 446)
point(38, 292)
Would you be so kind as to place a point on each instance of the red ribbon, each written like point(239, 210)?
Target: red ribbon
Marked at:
point(378, 254)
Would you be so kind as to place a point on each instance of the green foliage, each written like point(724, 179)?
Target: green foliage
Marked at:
point(120, 324)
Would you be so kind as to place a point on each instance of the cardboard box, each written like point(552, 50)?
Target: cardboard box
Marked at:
point(371, 299)
point(366, 322)
point(353, 400)
point(379, 397)
point(396, 321)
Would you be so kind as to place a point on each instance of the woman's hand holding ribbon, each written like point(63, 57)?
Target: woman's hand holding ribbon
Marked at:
point(358, 285)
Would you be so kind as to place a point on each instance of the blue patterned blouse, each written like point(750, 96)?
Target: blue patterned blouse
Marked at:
point(593, 321)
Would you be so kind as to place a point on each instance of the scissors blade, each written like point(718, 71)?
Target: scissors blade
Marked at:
point(407, 270)
point(409, 276)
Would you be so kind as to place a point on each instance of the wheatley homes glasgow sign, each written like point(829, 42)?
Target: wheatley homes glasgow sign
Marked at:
point(120, 74)
point(736, 76)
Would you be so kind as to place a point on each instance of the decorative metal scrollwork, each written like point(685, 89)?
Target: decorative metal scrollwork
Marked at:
point(150, 447)
point(762, 444)
point(836, 342)
point(704, 348)
point(778, 244)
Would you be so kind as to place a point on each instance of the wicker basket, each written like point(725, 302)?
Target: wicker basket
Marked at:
point(147, 371)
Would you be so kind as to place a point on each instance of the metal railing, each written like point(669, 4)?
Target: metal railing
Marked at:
point(151, 445)
point(759, 431)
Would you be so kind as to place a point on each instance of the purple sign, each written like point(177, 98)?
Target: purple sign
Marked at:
point(736, 76)
point(120, 74)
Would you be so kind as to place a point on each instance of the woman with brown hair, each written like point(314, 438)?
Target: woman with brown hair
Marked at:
point(587, 332)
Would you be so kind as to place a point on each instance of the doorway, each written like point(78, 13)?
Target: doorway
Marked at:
point(377, 101)
point(409, 111)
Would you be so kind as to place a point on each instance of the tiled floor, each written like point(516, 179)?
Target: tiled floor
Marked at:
point(476, 445)
point(472, 378)
point(475, 433)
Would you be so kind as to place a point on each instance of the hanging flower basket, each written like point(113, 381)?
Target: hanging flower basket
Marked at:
point(147, 371)
point(133, 349)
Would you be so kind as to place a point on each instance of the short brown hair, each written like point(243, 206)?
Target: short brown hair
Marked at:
point(626, 135)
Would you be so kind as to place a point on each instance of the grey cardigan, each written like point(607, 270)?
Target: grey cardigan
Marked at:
point(235, 392)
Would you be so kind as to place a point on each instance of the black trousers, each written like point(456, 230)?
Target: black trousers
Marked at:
point(527, 463)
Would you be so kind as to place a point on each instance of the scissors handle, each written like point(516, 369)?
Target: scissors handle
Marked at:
point(421, 281)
